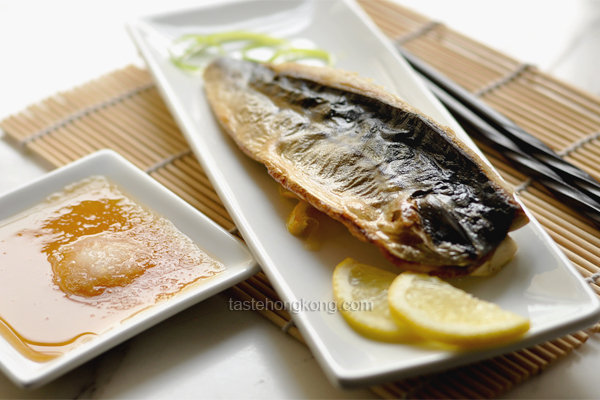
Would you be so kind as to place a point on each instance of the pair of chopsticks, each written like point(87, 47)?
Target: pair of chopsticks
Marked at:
point(569, 184)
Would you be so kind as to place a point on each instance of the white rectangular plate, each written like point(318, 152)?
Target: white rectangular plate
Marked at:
point(540, 283)
point(210, 237)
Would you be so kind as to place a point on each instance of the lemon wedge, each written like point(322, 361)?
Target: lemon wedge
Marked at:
point(438, 311)
point(361, 294)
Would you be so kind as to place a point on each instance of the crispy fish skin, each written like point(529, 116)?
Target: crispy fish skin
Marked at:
point(392, 175)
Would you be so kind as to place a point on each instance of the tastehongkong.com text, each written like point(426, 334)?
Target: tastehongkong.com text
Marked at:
point(301, 305)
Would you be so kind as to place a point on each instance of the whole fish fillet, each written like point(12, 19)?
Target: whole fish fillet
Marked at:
point(389, 173)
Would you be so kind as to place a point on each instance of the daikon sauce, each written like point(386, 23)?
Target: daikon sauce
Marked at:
point(84, 261)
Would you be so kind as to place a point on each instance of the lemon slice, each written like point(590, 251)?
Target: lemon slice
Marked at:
point(361, 294)
point(439, 311)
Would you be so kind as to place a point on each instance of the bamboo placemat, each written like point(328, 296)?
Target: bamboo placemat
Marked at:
point(124, 111)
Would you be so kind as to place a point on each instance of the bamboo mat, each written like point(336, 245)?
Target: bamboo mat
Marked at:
point(124, 111)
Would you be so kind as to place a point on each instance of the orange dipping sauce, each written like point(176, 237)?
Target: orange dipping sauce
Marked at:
point(84, 261)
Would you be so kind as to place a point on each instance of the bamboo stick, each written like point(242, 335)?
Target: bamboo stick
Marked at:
point(194, 183)
point(147, 120)
point(15, 130)
point(492, 377)
point(198, 193)
point(537, 194)
point(511, 368)
point(476, 61)
point(152, 98)
point(526, 122)
point(541, 117)
point(198, 175)
point(567, 114)
point(587, 165)
point(266, 289)
point(56, 147)
point(152, 136)
point(525, 363)
point(460, 76)
point(581, 336)
point(384, 12)
point(543, 353)
point(533, 357)
point(110, 120)
point(482, 390)
point(186, 191)
point(218, 218)
point(151, 101)
point(585, 150)
point(490, 55)
point(70, 145)
point(392, 25)
point(385, 393)
point(265, 300)
point(43, 151)
point(560, 89)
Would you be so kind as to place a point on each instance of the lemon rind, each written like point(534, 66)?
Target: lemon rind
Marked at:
point(362, 323)
point(457, 334)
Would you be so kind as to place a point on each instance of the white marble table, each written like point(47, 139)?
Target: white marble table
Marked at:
point(209, 351)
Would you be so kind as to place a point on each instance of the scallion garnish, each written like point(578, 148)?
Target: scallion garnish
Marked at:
point(192, 52)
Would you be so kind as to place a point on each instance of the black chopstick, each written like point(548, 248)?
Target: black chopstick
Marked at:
point(575, 177)
point(484, 132)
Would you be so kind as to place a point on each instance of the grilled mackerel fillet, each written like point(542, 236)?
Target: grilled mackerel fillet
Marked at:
point(392, 175)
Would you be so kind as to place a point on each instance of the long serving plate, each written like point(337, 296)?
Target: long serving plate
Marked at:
point(540, 283)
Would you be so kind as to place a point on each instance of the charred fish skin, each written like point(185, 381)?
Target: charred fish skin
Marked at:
point(393, 176)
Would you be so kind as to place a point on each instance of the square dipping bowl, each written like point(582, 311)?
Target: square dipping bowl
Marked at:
point(134, 183)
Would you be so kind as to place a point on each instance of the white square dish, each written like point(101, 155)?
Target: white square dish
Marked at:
point(230, 251)
point(540, 283)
